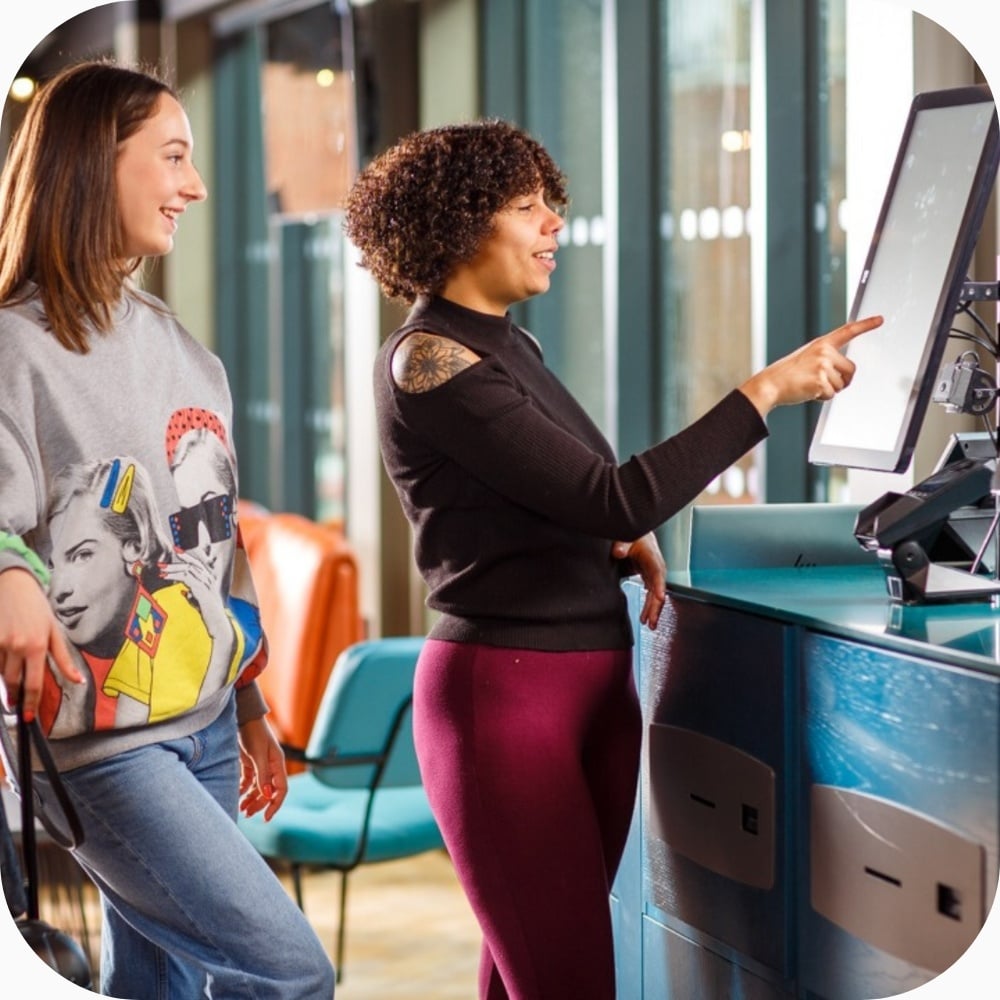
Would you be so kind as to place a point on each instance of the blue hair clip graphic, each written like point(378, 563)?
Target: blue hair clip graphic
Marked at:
point(118, 488)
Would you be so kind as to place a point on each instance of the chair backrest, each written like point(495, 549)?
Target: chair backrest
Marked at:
point(371, 684)
point(306, 577)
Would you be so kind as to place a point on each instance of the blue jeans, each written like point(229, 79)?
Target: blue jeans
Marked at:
point(191, 910)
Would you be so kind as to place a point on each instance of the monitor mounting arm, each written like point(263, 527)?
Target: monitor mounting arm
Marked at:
point(929, 540)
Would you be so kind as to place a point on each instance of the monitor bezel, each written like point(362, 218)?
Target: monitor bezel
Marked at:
point(898, 459)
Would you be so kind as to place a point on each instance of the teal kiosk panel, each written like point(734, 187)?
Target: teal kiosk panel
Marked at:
point(714, 788)
point(898, 839)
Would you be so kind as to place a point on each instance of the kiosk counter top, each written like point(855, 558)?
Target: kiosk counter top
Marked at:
point(800, 563)
point(853, 602)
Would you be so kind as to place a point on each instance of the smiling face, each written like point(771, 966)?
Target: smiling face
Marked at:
point(156, 180)
point(515, 261)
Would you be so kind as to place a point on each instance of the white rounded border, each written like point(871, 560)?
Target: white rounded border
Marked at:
point(977, 26)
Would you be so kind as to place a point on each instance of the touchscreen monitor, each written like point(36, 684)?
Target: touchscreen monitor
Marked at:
point(916, 265)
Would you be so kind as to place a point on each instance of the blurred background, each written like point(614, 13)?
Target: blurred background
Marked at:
point(726, 161)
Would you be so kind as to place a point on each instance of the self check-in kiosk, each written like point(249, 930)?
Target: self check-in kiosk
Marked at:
point(819, 809)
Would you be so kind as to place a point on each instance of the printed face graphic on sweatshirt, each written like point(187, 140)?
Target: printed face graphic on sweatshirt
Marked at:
point(91, 587)
point(150, 616)
point(205, 520)
point(203, 528)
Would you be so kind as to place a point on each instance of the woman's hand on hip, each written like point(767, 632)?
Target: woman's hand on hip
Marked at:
point(650, 565)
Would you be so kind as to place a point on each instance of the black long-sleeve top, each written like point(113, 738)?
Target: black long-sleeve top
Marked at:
point(515, 496)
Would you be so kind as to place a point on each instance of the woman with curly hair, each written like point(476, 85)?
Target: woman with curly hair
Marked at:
point(526, 719)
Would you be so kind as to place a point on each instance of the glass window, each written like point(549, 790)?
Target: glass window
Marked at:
point(830, 194)
point(308, 108)
point(692, 82)
point(287, 131)
point(707, 291)
point(309, 142)
point(705, 220)
point(563, 95)
point(831, 209)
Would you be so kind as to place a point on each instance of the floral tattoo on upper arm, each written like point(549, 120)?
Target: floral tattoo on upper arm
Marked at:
point(423, 362)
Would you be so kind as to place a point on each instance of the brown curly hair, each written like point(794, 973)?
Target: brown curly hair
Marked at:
point(427, 203)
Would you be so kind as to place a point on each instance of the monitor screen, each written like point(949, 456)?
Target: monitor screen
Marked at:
point(913, 275)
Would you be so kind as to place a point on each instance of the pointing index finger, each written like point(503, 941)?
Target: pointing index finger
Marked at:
point(843, 335)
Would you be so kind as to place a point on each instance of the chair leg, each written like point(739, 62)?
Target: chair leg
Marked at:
point(340, 927)
point(297, 884)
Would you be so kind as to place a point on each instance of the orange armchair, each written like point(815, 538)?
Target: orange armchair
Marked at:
point(306, 577)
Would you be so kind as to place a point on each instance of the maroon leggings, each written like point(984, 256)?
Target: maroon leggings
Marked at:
point(530, 761)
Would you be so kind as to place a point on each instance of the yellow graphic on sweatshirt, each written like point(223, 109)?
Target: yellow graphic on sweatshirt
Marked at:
point(169, 682)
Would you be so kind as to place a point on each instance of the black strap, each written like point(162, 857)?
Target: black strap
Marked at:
point(28, 849)
point(68, 832)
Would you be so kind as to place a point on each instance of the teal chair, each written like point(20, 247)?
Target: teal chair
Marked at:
point(360, 799)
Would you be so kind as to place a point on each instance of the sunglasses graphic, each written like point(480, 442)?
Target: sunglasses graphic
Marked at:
point(216, 513)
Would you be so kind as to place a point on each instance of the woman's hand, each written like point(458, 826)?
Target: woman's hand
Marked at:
point(29, 636)
point(263, 781)
point(645, 554)
point(817, 370)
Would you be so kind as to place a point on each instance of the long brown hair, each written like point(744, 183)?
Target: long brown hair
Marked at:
point(59, 221)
